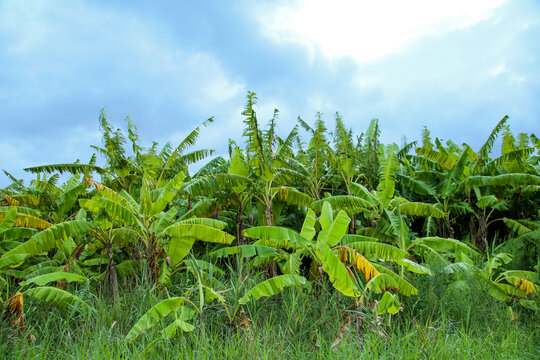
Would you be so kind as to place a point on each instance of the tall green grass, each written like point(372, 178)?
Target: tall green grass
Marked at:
point(437, 324)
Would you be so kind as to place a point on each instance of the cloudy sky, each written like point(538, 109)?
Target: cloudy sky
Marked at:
point(454, 66)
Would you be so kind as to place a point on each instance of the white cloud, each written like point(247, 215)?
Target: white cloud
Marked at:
point(368, 30)
point(498, 70)
point(503, 70)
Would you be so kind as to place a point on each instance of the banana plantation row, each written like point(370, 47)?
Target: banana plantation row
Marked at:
point(340, 208)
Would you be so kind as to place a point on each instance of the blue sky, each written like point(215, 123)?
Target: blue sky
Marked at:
point(456, 67)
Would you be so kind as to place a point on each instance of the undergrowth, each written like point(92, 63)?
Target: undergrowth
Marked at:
point(299, 324)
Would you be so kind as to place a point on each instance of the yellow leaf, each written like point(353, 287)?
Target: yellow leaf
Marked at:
point(352, 257)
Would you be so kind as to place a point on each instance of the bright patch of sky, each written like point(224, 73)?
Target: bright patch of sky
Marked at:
point(370, 30)
point(456, 67)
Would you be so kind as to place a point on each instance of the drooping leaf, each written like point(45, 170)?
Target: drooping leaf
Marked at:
point(359, 262)
point(177, 326)
point(513, 179)
point(199, 232)
point(526, 281)
point(382, 282)
point(12, 260)
point(292, 196)
point(51, 237)
point(375, 233)
point(58, 297)
point(17, 233)
point(246, 251)
point(66, 201)
point(389, 303)
point(308, 227)
point(414, 266)
point(11, 201)
point(404, 287)
point(115, 210)
point(66, 168)
point(332, 233)
point(430, 227)
point(460, 267)
point(272, 287)
point(420, 209)
point(179, 248)
point(417, 186)
point(25, 220)
point(202, 208)
point(167, 193)
point(279, 234)
point(350, 204)
point(516, 226)
point(512, 291)
point(218, 224)
point(351, 238)
point(55, 276)
point(9, 219)
point(155, 314)
point(362, 192)
point(440, 158)
point(20, 210)
point(338, 274)
point(379, 250)
point(445, 245)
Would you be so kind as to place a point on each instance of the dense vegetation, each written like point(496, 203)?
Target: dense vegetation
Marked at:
point(341, 246)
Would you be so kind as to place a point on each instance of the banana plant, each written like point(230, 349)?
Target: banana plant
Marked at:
point(233, 183)
point(24, 257)
point(43, 199)
point(185, 311)
point(265, 164)
point(145, 217)
point(150, 224)
point(182, 309)
point(58, 236)
point(501, 284)
point(307, 169)
point(324, 241)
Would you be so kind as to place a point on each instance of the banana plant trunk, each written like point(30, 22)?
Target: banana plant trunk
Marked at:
point(111, 281)
point(240, 230)
point(446, 228)
point(482, 233)
point(152, 268)
point(272, 268)
point(472, 229)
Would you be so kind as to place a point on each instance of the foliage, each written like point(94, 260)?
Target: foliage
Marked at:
point(361, 223)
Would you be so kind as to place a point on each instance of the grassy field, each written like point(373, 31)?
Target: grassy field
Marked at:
point(298, 324)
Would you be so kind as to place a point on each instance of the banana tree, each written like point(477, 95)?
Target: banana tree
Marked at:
point(24, 257)
point(146, 217)
point(324, 241)
point(107, 237)
point(263, 162)
point(501, 284)
point(232, 181)
point(151, 225)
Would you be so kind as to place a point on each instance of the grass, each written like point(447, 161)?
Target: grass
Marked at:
point(433, 325)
